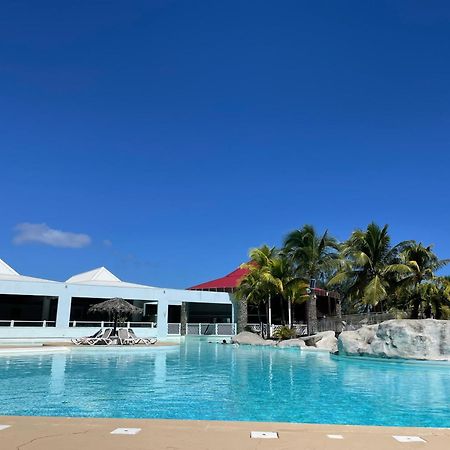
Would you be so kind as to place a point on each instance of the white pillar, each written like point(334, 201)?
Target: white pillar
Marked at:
point(162, 313)
point(63, 312)
point(270, 312)
point(290, 313)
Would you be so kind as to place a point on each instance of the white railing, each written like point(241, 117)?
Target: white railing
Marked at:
point(27, 323)
point(174, 328)
point(103, 324)
point(72, 323)
point(301, 329)
point(211, 329)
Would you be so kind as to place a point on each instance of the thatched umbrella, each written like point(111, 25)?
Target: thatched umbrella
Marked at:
point(116, 307)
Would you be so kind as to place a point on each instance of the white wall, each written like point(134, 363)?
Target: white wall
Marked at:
point(65, 292)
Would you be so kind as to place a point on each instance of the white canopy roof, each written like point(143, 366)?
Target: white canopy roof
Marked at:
point(100, 276)
point(7, 273)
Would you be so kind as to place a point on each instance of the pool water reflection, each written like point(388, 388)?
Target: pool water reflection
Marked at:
point(199, 380)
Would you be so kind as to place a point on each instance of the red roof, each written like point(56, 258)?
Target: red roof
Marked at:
point(229, 281)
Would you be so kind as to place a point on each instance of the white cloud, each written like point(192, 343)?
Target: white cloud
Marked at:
point(42, 233)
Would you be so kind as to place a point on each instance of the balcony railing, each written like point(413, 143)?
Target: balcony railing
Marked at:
point(27, 323)
point(103, 324)
point(174, 329)
point(73, 324)
point(203, 329)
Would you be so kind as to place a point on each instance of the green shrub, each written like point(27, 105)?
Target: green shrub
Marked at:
point(284, 333)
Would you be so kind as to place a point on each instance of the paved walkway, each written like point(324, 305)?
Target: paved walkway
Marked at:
point(46, 433)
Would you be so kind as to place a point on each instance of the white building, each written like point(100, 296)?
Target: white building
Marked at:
point(44, 309)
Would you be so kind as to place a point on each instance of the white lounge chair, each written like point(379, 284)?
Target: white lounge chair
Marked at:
point(84, 340)
point(124, 337)
point(139, 340)
point(103, 339)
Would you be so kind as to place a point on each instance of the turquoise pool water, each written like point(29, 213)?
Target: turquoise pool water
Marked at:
point(221, 382)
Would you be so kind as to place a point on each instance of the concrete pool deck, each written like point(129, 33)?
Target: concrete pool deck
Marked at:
point(48, 433)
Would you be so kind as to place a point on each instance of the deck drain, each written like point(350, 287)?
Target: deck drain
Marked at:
point(409, 439)
point(335, 436)
point(126, 431)
point(4, 427)
point(263, 435)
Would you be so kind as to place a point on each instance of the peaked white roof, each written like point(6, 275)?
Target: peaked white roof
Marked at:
point(9, 274)
point(7, 270)
point(100, 276)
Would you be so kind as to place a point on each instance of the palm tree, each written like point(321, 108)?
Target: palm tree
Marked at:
point(286, 285)
point(420, 284)
point(369, 265)
point(271, 276)
point(248, 291)
point(253, 288)
point(313, 256)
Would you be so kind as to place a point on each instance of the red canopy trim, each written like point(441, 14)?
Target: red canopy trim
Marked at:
point(230, 281)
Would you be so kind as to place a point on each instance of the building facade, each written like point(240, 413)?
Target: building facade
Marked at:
point(44, 309)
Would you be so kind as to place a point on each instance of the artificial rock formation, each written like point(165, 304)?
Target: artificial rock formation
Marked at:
point(425, 339)
point(249, 338)
point(288, 343)
point(321, 341)
point(327, 342)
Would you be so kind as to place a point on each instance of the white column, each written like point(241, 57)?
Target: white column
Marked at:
point(162, 313)
point(270, 312)
point(290, 313)
point(63, 312)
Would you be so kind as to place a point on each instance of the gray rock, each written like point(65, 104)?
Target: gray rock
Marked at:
point(291, 343)
point(328, 341)
point(357, 342)
point(426, 339)
point(248, 338)
point(315, 338)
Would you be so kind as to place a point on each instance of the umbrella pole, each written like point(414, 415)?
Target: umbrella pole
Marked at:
point(115, 324)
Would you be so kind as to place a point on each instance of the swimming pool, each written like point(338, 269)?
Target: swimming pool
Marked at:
point(198, 380)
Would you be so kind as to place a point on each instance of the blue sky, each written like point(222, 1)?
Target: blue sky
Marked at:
point(169, 137)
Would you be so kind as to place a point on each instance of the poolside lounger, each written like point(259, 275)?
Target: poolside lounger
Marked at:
point(138, 340)
point(84, 340)
point(124, 337)
point(104, 339)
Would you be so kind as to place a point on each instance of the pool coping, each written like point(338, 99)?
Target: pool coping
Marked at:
point(56, 433)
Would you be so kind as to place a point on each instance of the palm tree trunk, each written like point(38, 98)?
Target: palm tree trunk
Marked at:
point(415, 307)
point(115, 324)
point(311, 314)
point(242, 315)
